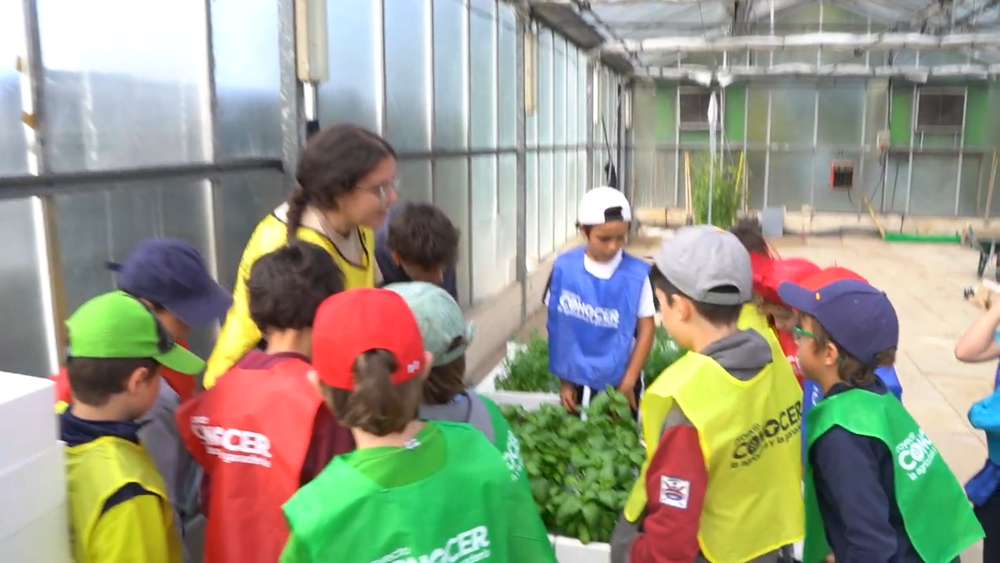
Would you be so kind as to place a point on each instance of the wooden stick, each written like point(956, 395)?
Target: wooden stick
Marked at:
point(688, 205)
point(989, 190)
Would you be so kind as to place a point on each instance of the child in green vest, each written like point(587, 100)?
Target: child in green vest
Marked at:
point(413, 490)
point(447, 336)
point(876, 487)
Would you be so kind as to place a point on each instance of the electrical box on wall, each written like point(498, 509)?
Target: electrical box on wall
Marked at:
point(882, 141)
point(841, 174)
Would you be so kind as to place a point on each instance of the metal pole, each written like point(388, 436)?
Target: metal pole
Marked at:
point(961, 150)
point(210, 187)
point(522, 174)
point(291, 92)
point(909, 176)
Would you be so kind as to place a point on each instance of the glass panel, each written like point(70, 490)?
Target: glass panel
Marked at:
point(793, 108)
point(582, 100)
point(114, 107)
point(483, 63)
point(546, 216)
point(790, 180)
point(13, 142)
point(545, 88)
point(407, 75)
point(572, 97)
point(354, 91)
point(933, 187)
point(572, 187)
point(559, 198)
point(559, 106)
point(414, 180)
point(507, 221)
point(483, 233)
point(25, 339)
point(451, 75)
point(840, 114)
point(241, 201)
point(757, 114)
point(531, 211)
point(247, 78)
point(756, 163)
point(508, 76)
point(451, 193)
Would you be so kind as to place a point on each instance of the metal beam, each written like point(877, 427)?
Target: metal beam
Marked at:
point(705, 75)
point(825, 41)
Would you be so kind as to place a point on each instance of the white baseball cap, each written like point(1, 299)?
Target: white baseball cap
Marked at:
point(602, 205)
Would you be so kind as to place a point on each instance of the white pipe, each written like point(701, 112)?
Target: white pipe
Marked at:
point(831, 41)
point(914, 73)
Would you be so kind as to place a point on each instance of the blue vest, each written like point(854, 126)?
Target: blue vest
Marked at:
point(591, 321)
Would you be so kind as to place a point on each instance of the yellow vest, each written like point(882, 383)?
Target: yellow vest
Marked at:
point(239, 334)
point(98, 469)
point(749, 434)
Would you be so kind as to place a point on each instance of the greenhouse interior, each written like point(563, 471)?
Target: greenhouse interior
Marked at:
point(124, 120)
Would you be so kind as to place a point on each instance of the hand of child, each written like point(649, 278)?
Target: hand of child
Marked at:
point(567, 396)
point(628, 389)
point(830, 559)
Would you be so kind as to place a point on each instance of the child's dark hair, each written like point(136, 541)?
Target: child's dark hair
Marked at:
point(751, 234)
point(850, 369)
point(718, 315)
point(421, 234)
point(287, 285)
point(95, 380)
point(445, 382)
point(376, 405)
point(333, 162)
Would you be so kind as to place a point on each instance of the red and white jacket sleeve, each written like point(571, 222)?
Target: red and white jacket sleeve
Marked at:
point(676, 480)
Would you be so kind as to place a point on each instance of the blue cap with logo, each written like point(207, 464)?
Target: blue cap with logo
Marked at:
point(172, 273)
point(857, 316)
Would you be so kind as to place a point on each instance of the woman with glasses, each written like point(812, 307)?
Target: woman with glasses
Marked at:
point(346, 181)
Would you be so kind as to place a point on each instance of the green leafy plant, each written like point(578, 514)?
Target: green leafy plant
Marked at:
point(581, 471)
point(528, 370)
point(661, 356)
point(726, 190)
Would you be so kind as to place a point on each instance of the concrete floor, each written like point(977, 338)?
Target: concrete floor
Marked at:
point(924, 282)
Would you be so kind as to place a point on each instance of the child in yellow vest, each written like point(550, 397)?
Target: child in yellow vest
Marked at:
point(119, 507)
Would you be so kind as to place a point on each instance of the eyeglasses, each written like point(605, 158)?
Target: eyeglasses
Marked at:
point(382, 190)
point(799, 333)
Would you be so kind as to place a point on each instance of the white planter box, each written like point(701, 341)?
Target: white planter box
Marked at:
point(530, 401)
point(569, 550)
point(43, 539)
point(35, 487)
point(27, 415)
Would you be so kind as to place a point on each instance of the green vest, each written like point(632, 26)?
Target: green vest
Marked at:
point(938, 518)
point(463, 512)
point(505, 441)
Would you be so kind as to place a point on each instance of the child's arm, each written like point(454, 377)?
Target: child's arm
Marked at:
point(527, 538)
point(847, 474)
point(134, 530)
point(676, 481)
point(645, 329)
point(978, 344)
point(985, 415)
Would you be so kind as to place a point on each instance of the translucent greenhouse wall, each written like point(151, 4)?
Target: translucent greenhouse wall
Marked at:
point(791, 130)
point(208, 83)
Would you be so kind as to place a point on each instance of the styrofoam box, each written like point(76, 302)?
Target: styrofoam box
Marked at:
point(27, 416)
point(530, 401)
point(569, 550)
point(31, 489)
point(44, 540)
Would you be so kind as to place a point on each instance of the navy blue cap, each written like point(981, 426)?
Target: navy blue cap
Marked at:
point(171, 272)
point(858, 317)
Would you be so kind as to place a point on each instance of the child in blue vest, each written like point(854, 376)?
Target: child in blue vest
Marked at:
point(600, 306)
point(981, 343)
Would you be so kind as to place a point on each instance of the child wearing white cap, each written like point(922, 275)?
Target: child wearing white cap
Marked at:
point(600, 306)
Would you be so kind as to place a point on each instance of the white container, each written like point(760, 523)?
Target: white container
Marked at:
point(27, 415)
point(45, 539)
point(569, 550)
point(530, 401)
point(32, 489)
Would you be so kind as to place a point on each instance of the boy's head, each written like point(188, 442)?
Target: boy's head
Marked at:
point(446, 335)
point(423, 241)
point(603, 219)
point(170, 275)
point(701, 278)
point(768, 274)
point(786, 318)
point(750, 233)
point(287, 286)
point(848, 328)
point(117, 347)
point(369, 359)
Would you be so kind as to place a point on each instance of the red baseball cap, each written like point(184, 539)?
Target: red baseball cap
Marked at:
point(826, 276)
point(770, 272)
point(356, 321)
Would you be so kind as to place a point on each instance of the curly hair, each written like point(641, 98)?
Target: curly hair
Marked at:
point(421, 234)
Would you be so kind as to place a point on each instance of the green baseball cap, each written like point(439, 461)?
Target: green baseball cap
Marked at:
point(117, 325)
point(439, 317)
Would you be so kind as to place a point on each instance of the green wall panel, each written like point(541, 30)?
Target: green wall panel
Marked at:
point(901, 114)
point(977, 114)
point(736, 111)
point(666, 113)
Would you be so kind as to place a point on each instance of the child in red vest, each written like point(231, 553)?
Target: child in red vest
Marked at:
point(262, 431)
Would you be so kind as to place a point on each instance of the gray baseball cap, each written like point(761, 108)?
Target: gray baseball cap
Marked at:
point(701, 259)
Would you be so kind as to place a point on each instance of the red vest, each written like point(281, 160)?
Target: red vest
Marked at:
point(791, 350)
point(183, 385)
point(251, 433)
